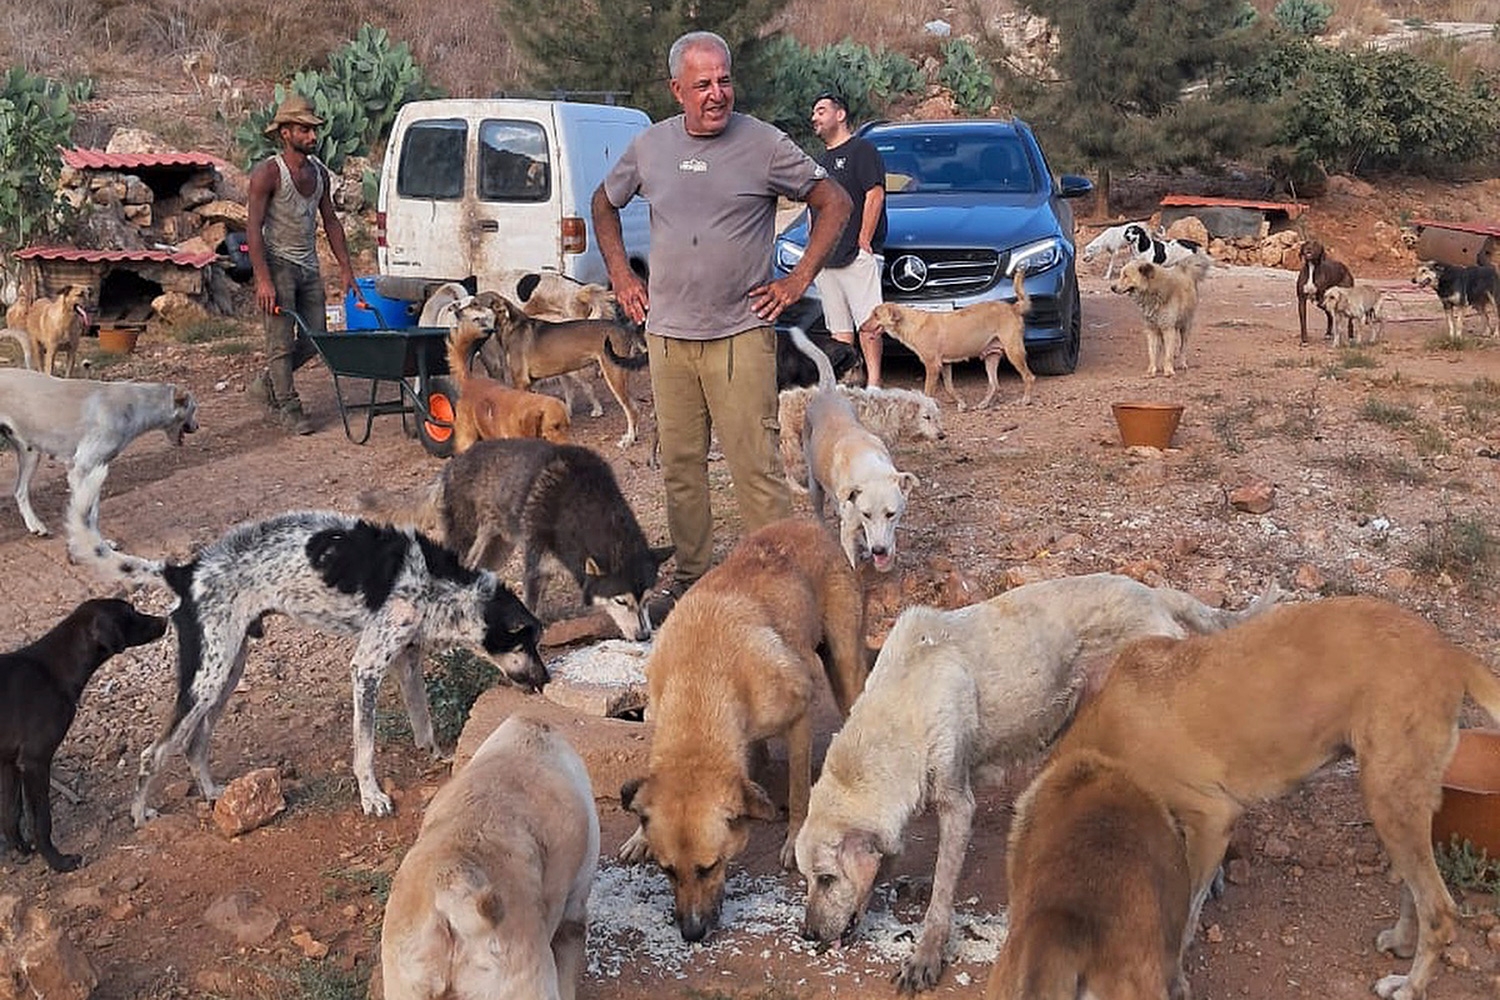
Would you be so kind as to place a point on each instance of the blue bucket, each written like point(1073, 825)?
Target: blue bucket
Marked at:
point(383, 314)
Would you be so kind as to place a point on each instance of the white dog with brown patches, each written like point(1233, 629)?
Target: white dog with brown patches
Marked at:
point(492, 899)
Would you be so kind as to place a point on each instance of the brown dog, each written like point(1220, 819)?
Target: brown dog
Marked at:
point(1319, 273)
point(988, 330)
point(486, 409)
point(53, 325)
point(1097, 877)
point(734, 664)
point(532, 349)
point(1168, 297)
point(1211, 724)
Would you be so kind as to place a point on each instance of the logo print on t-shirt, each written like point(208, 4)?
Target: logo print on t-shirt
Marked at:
point(693, 166)
point(838, 163)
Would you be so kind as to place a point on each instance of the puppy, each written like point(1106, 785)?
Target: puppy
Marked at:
point(1456, 287)
point(991, 330)
point(1168, 297)
point(53, 325)
point(395, 592)
point(1359, 304)
point(492, 899)
point(1162, 252)
point(40, 685)
point(1212, 724)
point(957, 698)
point(759, 618)
point(85, 425)
point(891, 414)
point(1097, 889)
point(853, 465)
point(487, 409)
point(1319, 273)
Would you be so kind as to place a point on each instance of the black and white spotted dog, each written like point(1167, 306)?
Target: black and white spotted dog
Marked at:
point(394, 589)
point(1158, 251)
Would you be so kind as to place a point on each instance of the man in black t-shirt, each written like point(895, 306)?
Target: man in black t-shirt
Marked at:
point(850, 280)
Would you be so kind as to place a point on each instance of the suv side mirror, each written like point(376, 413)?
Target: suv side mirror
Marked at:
point(1074, 186)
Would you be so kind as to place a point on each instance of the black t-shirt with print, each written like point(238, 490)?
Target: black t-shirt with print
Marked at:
point(856, 164)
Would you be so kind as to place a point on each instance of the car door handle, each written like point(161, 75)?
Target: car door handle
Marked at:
point(488, 225)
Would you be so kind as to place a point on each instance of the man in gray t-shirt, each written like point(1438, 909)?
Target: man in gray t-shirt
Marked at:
point(712, 178)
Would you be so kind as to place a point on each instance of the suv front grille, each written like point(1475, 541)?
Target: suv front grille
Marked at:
point(948, 273)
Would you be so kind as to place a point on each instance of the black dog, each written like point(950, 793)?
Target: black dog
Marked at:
point(795, 369)
point(1477, 287)
point(39, 689)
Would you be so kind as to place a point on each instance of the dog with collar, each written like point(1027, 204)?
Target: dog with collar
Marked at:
point(393, 590)
point(1319, 273)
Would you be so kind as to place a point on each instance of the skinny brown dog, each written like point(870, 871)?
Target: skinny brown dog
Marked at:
point(734, 664)
point(53, 326)
point(1213, 723)
point(988, 330)
point(1097, 879)
point(487, 409)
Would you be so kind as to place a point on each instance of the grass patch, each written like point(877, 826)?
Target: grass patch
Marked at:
point(325, 793)
point(1480, 400)
point(231, 347)
point(322, 981)
point(1429, 440)
point(1297, 362)
point(453, 689)
point(1358, 359)
point(358, 882)
point(1443, 342)
point(1228, 423)
point(211, 330)
point(1457, 546)
point(1384, 468)
point(1465, 867)
point(1378, 411)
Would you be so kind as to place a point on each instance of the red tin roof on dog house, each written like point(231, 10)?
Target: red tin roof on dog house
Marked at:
point(98, 159)
point(198, 259)
point(1292, 209)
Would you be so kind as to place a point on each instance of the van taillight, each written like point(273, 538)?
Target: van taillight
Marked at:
point(575, 235)
point(380, 229)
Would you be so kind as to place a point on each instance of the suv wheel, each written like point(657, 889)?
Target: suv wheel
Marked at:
point(1063, 360)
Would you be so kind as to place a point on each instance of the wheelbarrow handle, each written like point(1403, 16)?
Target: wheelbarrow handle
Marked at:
point(296, 318)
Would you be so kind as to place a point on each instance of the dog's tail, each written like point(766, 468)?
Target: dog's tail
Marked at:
point(633, 362)
point(461, 341)
point(1195, 616)
point(1197, 265)
point(1023, 301)
point(466, 899)
point(827, 381)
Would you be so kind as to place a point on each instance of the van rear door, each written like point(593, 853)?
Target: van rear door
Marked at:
point(425, 197)
point(517, 197)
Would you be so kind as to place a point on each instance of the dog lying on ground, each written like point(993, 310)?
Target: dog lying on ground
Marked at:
point(1158, 251)
point(1110, 241)
point(553, 501)
point(1097, 889)
point(1361, 306)
point(1456, 287)
point(53, 325)
point(487, 409)
point(40, 685)
point(891, 414)
point(759, 617)
point(1168, 297)
point(988, 330)
point(954, 699)
point(394, 591)
point(85, 425)
point(852, 465)
point(1319, 273)
point(535, 349)
point(795, 369)
point(492, 899)
point(1211, 725)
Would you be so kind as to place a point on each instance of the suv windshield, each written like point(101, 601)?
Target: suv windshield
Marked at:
point(978, 161)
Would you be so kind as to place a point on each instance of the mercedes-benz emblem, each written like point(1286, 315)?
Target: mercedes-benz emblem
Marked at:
point(908, 272)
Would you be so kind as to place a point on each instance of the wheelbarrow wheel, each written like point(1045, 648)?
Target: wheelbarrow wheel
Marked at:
point(440, 404)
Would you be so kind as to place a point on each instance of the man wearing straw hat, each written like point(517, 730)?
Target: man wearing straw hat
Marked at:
point(288, 192)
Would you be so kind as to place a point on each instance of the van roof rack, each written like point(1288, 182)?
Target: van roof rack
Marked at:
point(587, 96)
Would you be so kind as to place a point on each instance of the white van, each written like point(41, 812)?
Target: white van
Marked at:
point(473, 187)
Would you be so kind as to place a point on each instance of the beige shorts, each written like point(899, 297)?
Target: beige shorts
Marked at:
point(850, 293)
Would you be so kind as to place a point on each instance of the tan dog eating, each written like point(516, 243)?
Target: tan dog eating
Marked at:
point(988, 330)
point(1097, 889)
point(487, 409)
point(492, 899)
point(735, 663)
point(1212, 724)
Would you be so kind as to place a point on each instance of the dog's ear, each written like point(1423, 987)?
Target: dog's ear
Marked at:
point(852, 495)
point(755, 803)
point(591, 568)
point(859, 857)
point(909, 481)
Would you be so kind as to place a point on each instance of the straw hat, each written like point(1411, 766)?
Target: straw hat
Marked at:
point(295, 110)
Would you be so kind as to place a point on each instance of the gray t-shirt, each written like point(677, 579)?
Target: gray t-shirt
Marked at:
point(713, 218)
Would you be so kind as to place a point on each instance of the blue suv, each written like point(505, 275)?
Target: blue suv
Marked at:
point(967, 201)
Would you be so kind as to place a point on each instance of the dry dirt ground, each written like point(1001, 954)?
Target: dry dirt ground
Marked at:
point(1379, 458)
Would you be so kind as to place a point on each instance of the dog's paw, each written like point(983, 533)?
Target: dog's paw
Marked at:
point(918, 973)
point(626, 440)
point(376, 803)
point(634, 850)
point(64, 862)
point(789, 853)
point(1393, 988)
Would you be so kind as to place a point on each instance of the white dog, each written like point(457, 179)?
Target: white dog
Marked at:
point(1362, 306)
point(85, 425)
point(854, 466)
point(892, 414)
point(450, 304)
point(492, 899)
point(955, 698)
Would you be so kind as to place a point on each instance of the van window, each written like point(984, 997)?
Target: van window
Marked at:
point(514, 164)
point(432, 160)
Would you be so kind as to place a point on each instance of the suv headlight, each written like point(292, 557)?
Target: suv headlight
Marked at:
point(788, 254)
point(1036, 257)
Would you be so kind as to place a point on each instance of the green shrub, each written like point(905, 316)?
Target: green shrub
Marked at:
point(965, 74)
point(1303, 17)
point(36, 118)
point(784, 77)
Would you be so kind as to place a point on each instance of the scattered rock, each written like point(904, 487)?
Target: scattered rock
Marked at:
point(1237, 871)
point(241, 916)
point(1309, 577)
point(37, 959)
point(1254, 497)
point(1277, 849)
point(1457, 956)
point(249, 801)
point(311, 946)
